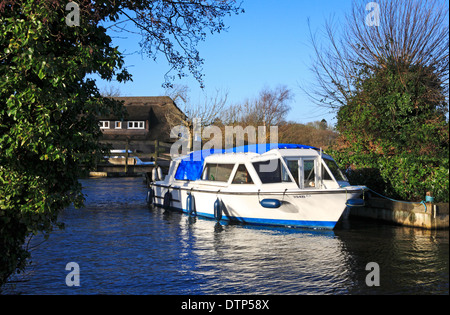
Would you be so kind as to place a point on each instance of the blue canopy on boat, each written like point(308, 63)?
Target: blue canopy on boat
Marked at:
point(191, 166)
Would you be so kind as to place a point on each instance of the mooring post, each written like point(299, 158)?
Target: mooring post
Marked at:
point(156, 150)
point(126, 157)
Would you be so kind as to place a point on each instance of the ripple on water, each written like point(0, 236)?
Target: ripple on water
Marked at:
point(122, 247)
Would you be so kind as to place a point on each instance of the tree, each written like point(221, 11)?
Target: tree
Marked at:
point(49, 107)
point(408, 33)
point(270, 108)
point(48, 124)
point(199, 115)
point(389, 86)
point(110, 91)
point(393, 126)
point(313, 134)
point(172, 28)
point(323, 125)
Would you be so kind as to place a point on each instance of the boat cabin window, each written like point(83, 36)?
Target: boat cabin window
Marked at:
point(271, 171)
point(303, 171)
point(309, 177)
point(217, 172)
point(242, 176)
point(293, 168)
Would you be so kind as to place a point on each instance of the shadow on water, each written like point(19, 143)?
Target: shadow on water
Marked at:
point(124, 247)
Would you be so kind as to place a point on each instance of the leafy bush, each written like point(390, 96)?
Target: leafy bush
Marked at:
point(48, 117)
point(394, 133)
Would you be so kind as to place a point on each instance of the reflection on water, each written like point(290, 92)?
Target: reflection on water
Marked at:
point(123, 247)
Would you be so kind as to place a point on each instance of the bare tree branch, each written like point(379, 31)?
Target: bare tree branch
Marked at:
point(410, 33)
point(173, 28)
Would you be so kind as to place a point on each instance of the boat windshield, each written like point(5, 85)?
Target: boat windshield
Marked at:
point(271, 171)
point(332, 166)
point(293, 167)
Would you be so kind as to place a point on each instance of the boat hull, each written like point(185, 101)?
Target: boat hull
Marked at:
point(318, 209)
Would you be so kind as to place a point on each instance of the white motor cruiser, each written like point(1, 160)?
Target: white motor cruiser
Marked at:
point(270, 184)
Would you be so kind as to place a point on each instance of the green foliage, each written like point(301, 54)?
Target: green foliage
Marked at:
point(48, 110)
point(49, 106)
point(394, 133)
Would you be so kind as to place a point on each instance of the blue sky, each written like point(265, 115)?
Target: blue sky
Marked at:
point(266, 46)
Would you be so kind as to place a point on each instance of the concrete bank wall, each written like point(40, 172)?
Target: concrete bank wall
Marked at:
point(434, 216)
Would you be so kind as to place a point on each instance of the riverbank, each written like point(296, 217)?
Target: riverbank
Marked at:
point(422, 215)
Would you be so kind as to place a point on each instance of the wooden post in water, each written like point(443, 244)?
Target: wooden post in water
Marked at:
point(126, 157)
point(156, 151)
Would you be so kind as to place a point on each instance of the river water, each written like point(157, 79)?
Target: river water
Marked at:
point(123, 247)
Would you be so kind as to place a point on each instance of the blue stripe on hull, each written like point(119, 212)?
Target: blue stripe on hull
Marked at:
point(328, 225)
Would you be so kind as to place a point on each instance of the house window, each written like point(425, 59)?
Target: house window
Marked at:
point(136, 125)
point(118, 125)
point(104, 124)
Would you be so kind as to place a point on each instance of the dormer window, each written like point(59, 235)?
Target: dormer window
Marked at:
point(136, 125)
point(104, 124)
